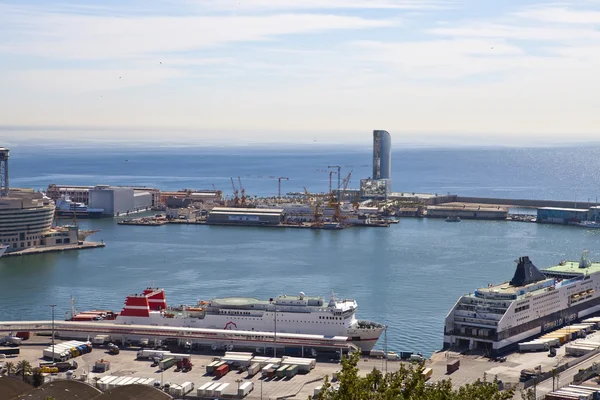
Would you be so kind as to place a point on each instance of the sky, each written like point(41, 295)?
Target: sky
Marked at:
point(300, 70)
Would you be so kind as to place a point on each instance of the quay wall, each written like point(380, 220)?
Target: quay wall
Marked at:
point(510, 202)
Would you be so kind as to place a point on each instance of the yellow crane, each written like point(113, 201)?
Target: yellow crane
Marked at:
point(315, 207)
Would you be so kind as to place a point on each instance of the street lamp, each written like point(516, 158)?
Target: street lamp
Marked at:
point(52, 306)
point(275, 336)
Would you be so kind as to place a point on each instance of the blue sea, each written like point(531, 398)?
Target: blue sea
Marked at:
point(407, 276)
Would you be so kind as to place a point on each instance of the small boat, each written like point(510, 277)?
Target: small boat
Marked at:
point(453, 218)
point(3, 248)
point(589, 224)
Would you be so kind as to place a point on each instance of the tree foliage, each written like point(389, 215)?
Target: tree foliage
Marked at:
point(23, 368)
point(38, 377)
point(407, 383)
point(10, 368)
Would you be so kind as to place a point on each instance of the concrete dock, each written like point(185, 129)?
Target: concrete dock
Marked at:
point(53, 249)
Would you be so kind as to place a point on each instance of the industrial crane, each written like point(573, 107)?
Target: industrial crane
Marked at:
point(243, 198)
point(339, 171)
point(316, 214)
point(236, 200)
point(279, 187)
point(331, 196)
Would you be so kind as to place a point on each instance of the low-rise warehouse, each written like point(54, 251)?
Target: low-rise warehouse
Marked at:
point(246, 216)
point(554, 215)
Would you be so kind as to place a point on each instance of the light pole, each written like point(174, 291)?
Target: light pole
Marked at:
point(52, 307)
point(261, 381)
point(385, 345)
point(275, 336)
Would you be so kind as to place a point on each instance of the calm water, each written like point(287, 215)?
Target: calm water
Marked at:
point(407, 276)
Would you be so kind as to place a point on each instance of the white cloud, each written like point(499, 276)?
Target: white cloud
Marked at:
point(262, 5)
point(561, 15)
point(101, 37)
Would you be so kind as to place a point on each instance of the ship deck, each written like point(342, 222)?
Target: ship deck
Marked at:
point(571, 268)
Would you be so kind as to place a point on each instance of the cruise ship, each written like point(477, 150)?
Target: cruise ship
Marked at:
point(3, 248)
point(496, 318)
point(67, 207)
point(284, 314)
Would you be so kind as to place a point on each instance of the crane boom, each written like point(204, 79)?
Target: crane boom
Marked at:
point(279, 187)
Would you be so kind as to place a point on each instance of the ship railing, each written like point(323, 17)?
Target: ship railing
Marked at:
point(486, 322)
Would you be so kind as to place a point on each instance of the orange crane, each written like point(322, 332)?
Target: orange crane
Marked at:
point(279, 187)
point(243, 199)
point(236, 200)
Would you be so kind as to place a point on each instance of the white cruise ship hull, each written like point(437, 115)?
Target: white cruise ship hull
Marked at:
point(499, 324)
point(3, 249)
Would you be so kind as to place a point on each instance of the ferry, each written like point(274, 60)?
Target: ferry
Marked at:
point(65, 206)
point(299, 314)
point(496, 318)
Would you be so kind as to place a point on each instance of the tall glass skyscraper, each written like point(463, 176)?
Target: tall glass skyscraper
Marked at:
point(382, 155)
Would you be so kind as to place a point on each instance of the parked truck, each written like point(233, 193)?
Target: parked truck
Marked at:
point(166, 363)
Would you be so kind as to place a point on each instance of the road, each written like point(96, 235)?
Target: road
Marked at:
point(565, 378)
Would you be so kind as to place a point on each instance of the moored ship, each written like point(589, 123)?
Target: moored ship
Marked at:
point(67, 207)
point(496, 318)
point(284, 314)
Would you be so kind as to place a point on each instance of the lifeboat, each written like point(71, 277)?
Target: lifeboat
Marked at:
point(194, 309)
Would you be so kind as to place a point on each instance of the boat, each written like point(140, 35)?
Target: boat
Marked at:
point(3, 248)
point(302, 314)
point(332, 225)
point(453, 218)
point(67, 207)
point(589, 224)
point(497, 317)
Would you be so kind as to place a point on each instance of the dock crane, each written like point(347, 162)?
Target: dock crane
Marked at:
point(243, 198)
point(279, 187)
point(331, 196)
point(236, 200)
point(316, 215)
point(339, 171)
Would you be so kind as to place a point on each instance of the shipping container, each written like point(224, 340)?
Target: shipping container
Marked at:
point(452, 366)
point(222, 371)
point(142, 354)
point(187, 387)
point(280, 372)
point(202, 389)
point(271, 373)
point(210, 368)
point(166, 363)
point(99, 340)
point(209, 392)
point(377, 353)
point(245, 388)
point(427, 372)
point(238, 353)
point(265, 369)
point(253, 370)
point(23, 335)
point(221, 390)
point(291, 371)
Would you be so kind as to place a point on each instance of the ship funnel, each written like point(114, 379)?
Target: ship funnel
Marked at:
point(301, 295)
point(584, 262)
point(526, 273)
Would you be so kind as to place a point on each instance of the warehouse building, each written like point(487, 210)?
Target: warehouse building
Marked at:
point(120, 200)
point(246, 216)
point(554, 215)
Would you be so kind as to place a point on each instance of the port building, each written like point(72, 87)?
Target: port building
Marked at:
point(117, 201)
point(245, 216)
point(555, 215)
point(26, 217)
point(81, 194)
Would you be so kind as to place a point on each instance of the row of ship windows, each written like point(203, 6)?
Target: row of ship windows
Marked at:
point(289, 320)
point(522, 308)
